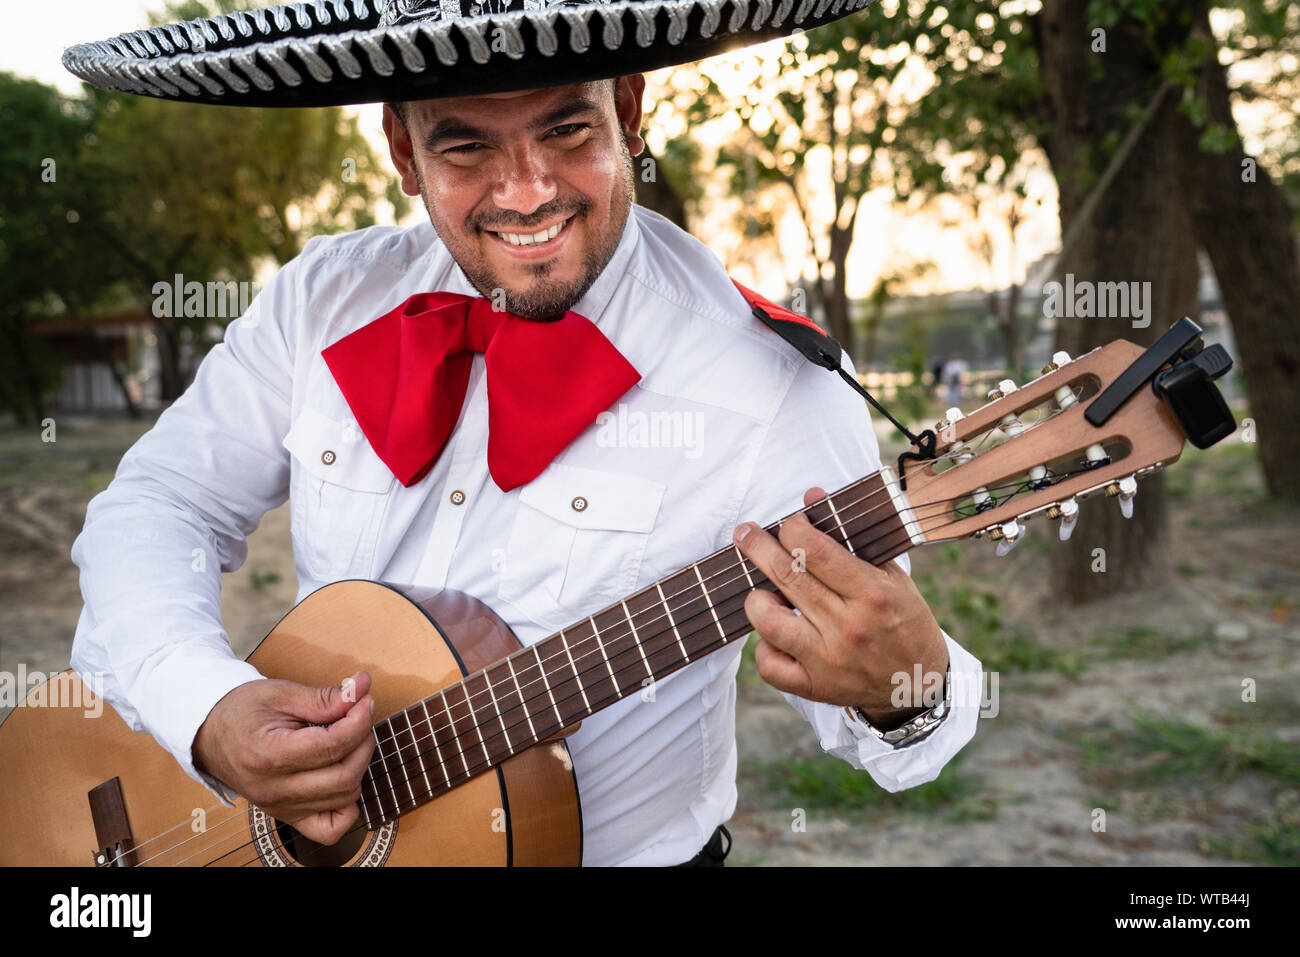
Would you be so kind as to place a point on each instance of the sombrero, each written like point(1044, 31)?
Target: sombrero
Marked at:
point(332, 52)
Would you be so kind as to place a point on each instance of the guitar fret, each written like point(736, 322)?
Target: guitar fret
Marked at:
point(419, 755)
point(636, 639)
point(743, 567)
point(437, 749)
point(830, 500)
point(392, 789)
point(473, 717)
point(501, 718)
point(676, 634)
point(595, 630)
point(581, 690)
point(709, 601)
point(455, 734)
point(522, 704)
point(547, 685)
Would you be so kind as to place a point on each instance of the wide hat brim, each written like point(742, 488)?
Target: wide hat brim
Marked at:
point(334, 52)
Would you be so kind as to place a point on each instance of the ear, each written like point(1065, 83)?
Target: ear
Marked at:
point(399, 148)
point(627, 105)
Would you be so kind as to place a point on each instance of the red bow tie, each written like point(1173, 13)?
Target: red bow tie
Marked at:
point(404, 376)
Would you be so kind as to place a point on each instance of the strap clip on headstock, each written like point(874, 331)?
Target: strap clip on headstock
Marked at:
point(1187, 385)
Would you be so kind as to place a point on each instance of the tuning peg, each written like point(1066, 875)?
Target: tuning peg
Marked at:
point(1058, 359)
point(1125, 490)
point(1068, 513)
point(950, 418)
point(1005, 388)
point(1006, 535)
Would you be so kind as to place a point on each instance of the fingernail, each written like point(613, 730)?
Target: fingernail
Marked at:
point(741, 531)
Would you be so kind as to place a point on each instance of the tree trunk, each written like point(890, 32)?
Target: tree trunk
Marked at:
point(657, 193)
point(1243, 221)
point(837, 304)
point(169, 372)
point(1140, 232)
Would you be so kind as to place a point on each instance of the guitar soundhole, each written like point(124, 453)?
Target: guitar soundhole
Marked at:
point(308, 853)
point(279, 845)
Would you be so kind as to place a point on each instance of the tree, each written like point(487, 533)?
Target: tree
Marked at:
point(1244, 221)
point(46, 265)
point(819, 122)
point(208, 193)
point(1129, 101)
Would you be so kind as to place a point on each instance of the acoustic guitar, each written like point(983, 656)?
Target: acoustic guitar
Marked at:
point(470, 764)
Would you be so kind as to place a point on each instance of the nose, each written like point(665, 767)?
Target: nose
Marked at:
point(525, 181)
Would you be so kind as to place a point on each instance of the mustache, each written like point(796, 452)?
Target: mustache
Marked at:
point(543, 215)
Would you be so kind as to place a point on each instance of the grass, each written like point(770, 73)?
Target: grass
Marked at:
point(260, 580)
point(1160, 762)
point(1145, 642)
point(1275, 839)
point(1160, 750)
point(827, 783)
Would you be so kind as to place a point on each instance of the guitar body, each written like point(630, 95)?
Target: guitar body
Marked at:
point(524, 812)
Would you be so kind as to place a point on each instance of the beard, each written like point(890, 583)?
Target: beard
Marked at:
point(546, 299)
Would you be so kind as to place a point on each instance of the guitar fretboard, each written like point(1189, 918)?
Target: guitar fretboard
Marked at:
point(542, 690)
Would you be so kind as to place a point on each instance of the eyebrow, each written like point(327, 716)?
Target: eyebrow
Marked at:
point(450, 129)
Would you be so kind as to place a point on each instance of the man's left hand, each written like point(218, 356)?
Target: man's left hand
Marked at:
point(857, 628)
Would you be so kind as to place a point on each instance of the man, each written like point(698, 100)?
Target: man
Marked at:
point(529, 194)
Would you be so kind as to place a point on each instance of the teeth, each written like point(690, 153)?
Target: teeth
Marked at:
point(526, 239)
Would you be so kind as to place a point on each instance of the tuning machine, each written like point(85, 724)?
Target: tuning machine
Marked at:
point(1068, 513)
point(1007, 535)
point(1125, 490)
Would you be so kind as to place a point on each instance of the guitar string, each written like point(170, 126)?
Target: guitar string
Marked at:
point(460, 746)
point(948, 456)
point(579, 656)
point(985, 437)
point(479, 766)
point(491, 686)
point(632, 626)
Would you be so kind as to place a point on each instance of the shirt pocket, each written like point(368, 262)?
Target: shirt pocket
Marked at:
point(577, 542)
point(338, 491)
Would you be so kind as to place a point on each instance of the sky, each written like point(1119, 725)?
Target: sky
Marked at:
point(35, 37)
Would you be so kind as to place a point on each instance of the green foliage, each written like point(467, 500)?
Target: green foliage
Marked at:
point(825, 782)
point(1159, 750)
point(1145, 642)
point(974, 618)
point(102, 196)
point(1273, 839)
point(47, 265)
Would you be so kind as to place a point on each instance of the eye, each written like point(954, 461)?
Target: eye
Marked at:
point(464, 148)
point(568, 129)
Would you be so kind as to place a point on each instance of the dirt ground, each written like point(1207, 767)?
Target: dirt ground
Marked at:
point(1122, 736)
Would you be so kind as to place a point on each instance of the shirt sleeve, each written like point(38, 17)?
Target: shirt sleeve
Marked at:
point(822, 435)
point(176, 515)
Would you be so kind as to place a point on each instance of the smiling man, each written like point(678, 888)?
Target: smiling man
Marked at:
point(403, 464)
point(529, 190)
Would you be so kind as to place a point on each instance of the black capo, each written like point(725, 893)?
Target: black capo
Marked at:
point(1187, 385)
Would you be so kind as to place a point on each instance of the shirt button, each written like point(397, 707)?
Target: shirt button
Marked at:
point(579, 504)
point(458, 497)
point(327, 457)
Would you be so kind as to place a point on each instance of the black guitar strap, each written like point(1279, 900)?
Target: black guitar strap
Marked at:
point(820, 349)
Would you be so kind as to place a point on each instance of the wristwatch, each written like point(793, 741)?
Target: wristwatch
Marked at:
point(914, 729)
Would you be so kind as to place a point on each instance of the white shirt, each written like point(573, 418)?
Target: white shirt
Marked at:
point(728, 424)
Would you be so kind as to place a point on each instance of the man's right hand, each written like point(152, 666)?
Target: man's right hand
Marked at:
point(264, 741)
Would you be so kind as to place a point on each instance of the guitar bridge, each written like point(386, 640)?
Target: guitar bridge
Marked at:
point(112, 829)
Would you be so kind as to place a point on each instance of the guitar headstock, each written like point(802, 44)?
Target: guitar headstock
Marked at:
point(1031, 450)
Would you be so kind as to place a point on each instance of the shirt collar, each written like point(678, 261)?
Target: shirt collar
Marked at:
point(594, 301)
